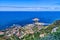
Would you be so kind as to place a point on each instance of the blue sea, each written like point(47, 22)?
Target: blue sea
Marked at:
point(8, 18)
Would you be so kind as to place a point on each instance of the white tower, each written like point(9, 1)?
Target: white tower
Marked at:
point(36, 21)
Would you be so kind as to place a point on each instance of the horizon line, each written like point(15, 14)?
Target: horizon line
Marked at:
point(17, 8)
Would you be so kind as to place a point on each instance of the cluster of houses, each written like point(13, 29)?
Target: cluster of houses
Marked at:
point(22, 31)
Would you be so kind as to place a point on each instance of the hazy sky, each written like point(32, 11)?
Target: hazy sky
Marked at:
point(29, 5)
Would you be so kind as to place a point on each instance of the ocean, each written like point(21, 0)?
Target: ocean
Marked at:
point(8, 18)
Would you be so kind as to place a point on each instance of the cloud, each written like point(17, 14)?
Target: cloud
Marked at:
point(14, 8)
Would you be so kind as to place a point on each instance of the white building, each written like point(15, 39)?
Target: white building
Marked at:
point(1, 33)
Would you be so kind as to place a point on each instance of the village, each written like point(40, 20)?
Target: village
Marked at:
point(21, 31)
point(35, 27)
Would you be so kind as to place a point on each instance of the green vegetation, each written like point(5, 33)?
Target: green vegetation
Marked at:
point(1, 37)
point(36, 35)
